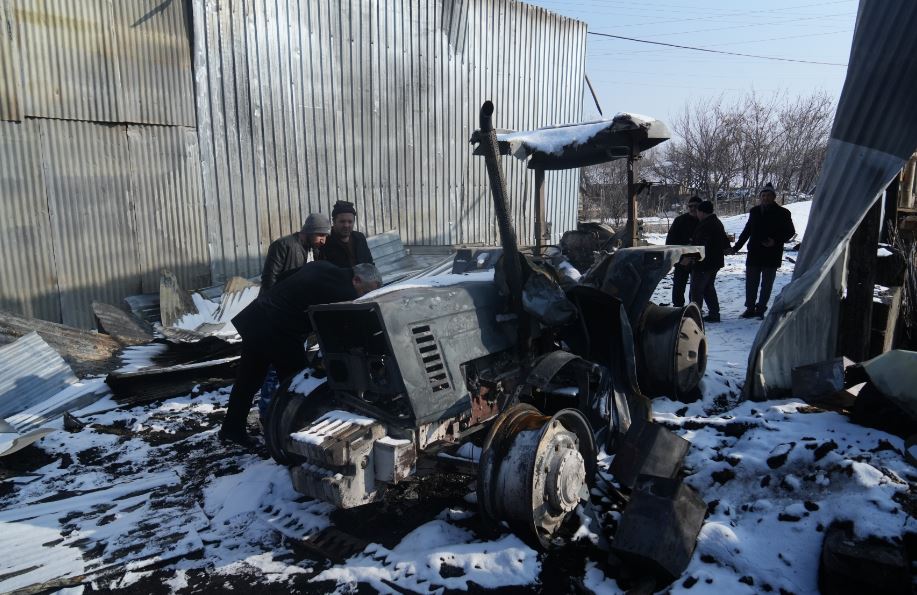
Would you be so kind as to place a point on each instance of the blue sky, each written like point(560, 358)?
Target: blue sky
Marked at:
point(658, 81)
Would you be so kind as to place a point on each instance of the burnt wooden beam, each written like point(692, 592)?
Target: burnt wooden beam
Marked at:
point(856, 309)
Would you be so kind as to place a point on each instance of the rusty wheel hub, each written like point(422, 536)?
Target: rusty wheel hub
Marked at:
point(535, 470)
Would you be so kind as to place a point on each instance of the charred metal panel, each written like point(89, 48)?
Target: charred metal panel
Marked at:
point(431, 334)
point(301, 104)
point(28, 278)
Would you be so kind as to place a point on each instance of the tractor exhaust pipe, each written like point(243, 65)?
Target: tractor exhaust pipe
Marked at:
point(487, 137)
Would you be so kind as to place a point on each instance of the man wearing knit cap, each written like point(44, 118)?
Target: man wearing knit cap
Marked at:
point(769, 227)
point(346, 247)
point(291, 252)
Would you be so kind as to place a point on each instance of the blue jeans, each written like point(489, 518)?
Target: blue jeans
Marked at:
point(271, 382)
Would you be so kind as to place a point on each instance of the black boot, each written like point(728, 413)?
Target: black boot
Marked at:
point(712, 318)
point(236, 437)
point(749, 313)
point(759, 311)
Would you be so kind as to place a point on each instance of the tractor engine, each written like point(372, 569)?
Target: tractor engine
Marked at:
point(409, 371)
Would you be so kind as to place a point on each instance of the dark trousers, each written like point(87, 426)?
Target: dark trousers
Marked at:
point(703, 289)
point(756, 277)
point(680, 277)
point(259, 352)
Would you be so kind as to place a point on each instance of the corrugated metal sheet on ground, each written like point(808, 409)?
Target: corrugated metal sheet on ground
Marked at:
point(237, 294)
point(30, 372)
point(133, 522)
point(10, 85)
point(70, 398)
point(121, 325)
point(28, 278)
point(301, 104)
point(105, 61)
point(92, 226)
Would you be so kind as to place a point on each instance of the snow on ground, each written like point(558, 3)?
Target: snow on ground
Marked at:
point(774, 475)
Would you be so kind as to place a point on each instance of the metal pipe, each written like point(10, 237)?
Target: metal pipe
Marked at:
point(540, 207)
point(594, 97)
point(491, 150)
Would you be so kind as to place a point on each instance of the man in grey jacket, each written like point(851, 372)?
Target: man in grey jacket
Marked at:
point(291, 252)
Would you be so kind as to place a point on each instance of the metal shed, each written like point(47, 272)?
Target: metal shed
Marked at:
point(141, 134)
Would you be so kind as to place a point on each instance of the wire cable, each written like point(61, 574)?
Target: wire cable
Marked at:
point(712, 51)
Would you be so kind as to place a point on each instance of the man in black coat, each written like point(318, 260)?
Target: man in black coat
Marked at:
point(275, 326)
point(769, 227)
point(710, 234)
point(680, 233)
point(291, 252)
point(346, 247)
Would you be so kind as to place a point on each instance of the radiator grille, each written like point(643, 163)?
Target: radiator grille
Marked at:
point(431, 357)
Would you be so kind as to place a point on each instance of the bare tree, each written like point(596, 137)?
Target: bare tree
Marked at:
point(603, 190)
point(704, 157)
point(759, 141)
point(805, 126)
point(731, 151)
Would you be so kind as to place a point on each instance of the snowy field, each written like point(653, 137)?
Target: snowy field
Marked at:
point(152, 484)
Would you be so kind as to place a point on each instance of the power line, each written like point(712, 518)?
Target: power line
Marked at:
point(696, 49)
point(747, 41)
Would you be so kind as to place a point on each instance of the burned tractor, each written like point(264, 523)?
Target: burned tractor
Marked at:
point(510, 360)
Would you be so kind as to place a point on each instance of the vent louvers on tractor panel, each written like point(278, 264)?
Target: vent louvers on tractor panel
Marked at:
point(431, 357)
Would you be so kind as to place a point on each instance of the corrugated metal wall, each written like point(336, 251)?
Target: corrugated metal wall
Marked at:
point(100, 173)
point(110, 171)
point(301, 103)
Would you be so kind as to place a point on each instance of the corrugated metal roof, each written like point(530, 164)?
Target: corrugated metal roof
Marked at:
point(873, 136)
point(10, 86)
point(92, 226)
point(374, 102)
point(28, 280)
point(106, 61)
point(30, 372)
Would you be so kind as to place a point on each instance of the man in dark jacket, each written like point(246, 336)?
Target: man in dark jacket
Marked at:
point(275, 326)
point(346, 247)
point(712, 236)
point(291, 252)
point(680, 233)
point(768, 228)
